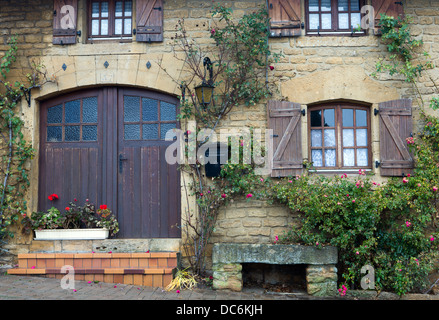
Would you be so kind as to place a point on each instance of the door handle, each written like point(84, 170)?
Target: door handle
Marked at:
point(121, 160)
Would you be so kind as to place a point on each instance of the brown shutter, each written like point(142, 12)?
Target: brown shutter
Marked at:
point(149, 20)
point(285, 18)
point(392, 8)
point(65, 14)
point(285, 119)
point(395, 127)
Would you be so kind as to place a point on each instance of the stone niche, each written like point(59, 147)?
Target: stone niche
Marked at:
point(321, 272)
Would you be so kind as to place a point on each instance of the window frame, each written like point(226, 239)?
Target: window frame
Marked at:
point(338, 109)
point(335, 30)
point(111, 22)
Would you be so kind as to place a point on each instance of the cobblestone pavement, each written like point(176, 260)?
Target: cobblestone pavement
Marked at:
point(14, 287)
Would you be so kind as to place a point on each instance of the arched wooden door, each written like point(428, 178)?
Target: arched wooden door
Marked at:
point(107, 145)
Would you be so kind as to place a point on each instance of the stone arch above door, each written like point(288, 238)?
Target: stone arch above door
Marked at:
point(87, 68)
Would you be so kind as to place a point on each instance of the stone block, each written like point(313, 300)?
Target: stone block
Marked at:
point(273, 254)
point(321, 280)
point(42, 246)
point(227, 276)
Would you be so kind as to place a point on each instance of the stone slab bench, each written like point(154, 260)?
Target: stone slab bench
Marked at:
point(321, 272)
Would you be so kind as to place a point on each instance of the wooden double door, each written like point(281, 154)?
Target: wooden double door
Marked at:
point(108, 145)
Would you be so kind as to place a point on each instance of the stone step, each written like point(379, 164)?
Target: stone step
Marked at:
point(153, 269)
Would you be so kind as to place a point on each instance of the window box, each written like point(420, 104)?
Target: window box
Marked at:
point(72, 234)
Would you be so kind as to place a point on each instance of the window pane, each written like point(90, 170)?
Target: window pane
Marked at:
point(329, 117)
point(348, 137)
point(127, 26)
point(54, 114)
point(104, 27)
point(326, 21)
point(361, 137)
point(90, 110)
point(330, 138)
point(131, 109)
point(355, 5)
point(54, 134)
point(326, 5)
point(330, 157)
point(73, 111)
point(316, 118)
point(313, 5)
point(167, 111)
point(316, 158)
point(343, 21)
point(104, 9)
point(119, 8)
point(90, 133)
point(316, 138)
point(128, 8)
point(72, 133)
point(165, 127)
point(118, 26)
point(95, 9)
point(348, 157)
point(95, 27)
point(362, 160)
point(313, 21)
point(149, 110)
point(348, 117)
point(343, 5)
point(150, 131)
point(355, 20)
point(132, 132)
point(361, 118)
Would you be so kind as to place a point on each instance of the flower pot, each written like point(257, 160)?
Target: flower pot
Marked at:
point(72, 234)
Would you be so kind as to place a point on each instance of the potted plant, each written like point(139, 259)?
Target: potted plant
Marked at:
point(73, 223)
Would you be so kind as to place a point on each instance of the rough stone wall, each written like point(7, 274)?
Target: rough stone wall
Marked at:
point(31, 21)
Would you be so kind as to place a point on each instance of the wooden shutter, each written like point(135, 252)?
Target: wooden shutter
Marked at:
point(391, 8)
point(285, 119)
point(285, 18)
point(149, 20)
point(65, 15)
point(395, 127)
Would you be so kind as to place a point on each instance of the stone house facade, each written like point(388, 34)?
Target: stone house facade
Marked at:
point(101, 67)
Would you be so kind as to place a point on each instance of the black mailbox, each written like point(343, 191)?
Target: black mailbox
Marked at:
point(221, 152)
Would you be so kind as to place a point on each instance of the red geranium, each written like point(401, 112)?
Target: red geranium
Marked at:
point(52, 197)
point(103, 207)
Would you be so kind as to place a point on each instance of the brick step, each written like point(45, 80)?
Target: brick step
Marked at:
point(148, 269)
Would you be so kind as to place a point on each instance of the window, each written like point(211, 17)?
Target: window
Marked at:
point(329, 16)
point(339, 137)
point(148, 119)
point(73, 121)
point(110, 19)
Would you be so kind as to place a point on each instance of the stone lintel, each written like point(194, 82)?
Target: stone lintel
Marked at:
point(273, 254)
